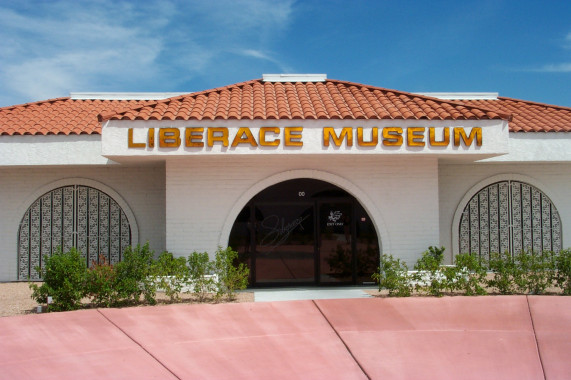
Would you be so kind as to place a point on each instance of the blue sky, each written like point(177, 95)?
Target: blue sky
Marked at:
point(519, 48)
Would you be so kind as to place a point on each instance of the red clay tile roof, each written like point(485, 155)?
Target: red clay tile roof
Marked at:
point(256, 99)
point(61, 116)
point(528, 116)
point(331, 99)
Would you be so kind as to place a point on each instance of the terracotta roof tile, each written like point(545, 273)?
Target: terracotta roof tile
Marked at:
point(61, 116)
point(255, 99)
point(527, 116)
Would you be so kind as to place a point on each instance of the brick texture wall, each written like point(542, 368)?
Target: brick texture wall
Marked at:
point(204, 194)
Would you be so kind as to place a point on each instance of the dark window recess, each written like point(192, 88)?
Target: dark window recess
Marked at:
point(306, 231)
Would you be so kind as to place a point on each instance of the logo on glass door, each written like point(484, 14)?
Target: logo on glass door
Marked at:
point(334, 217)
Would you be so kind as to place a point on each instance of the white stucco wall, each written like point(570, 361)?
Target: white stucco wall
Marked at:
point(141, 188)
point(456, 180)
point(204, 194)
point(51, 150)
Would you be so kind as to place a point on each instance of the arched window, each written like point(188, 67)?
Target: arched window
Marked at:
point(72, 216)
point(509, 216)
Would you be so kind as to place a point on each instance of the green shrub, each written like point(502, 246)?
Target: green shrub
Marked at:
point(467, 275)
point(430, 277)
point(534, 272)
point(134, 277)
point(230, 275)
point(504, 272)
point(562, 273)
point(170, 274)
point(64, 276)
point(200, 271)
point(393, 276)
point(100, 284)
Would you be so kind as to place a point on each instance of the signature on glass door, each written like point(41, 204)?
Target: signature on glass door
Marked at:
point(279, 230)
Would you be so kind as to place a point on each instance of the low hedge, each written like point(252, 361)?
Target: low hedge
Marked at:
point(137, 278)
point(500, 273)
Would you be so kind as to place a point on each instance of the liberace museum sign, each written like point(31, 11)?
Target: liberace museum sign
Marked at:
point(122, 139)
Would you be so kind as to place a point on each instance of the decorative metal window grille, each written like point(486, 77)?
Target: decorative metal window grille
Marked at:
point(510, 216)
point(71, 216)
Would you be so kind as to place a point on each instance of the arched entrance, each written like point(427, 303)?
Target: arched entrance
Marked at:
point(306, 231)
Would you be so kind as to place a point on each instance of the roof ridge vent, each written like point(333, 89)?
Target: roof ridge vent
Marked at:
point(124, 95)
point(294, 77)
point(462, 95)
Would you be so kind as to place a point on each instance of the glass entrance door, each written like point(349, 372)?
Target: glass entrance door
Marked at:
point(335, 242)
point(285, 243)
point(307, 232)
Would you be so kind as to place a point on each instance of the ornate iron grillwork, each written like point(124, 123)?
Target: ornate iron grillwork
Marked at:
point(71, 216)
point(509, 216)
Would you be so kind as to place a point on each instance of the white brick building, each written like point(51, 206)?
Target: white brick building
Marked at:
point(308, 178)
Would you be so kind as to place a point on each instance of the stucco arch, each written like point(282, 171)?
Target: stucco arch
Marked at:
point(487, 182)
point(361, 196)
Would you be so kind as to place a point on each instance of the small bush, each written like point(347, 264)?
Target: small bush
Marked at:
point(200, 271)
point(430, 277)
point(467, 275)
point(534, 272)
point(64, 276)
point(230, 274)
point(562, 273)
point(100, 284)
point(134, 277)
point(170, 274)
point(504, 272)
point(393, 276)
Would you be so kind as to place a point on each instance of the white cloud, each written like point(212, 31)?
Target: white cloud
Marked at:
point(265, 57)
point(555, 68)
point(48, 49)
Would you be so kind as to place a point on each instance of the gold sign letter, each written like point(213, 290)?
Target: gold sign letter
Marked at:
point(132, 144)
point(459, 133)
point(217, 134)
point(374, 137)
point(193, 137)
point(392, 136)
point(240, 139)
point(415, 136)
point(264, 131)
point(169, 137)
point(292, 136)
point(346, 133)
point(432, 137)
point(151, 137)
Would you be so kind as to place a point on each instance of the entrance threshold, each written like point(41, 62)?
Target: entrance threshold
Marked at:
point(311, 293)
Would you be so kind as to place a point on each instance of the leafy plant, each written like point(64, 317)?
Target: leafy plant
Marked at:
point(504, 272)
point(430, 277)
point(100, 284)
point(200, 270)
point(230, 274)
point(534, 272)
point(170, 274)
point(393, 276)
point(467, 275)
point(562, 274)
point(134, 277)
point(64, 275)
